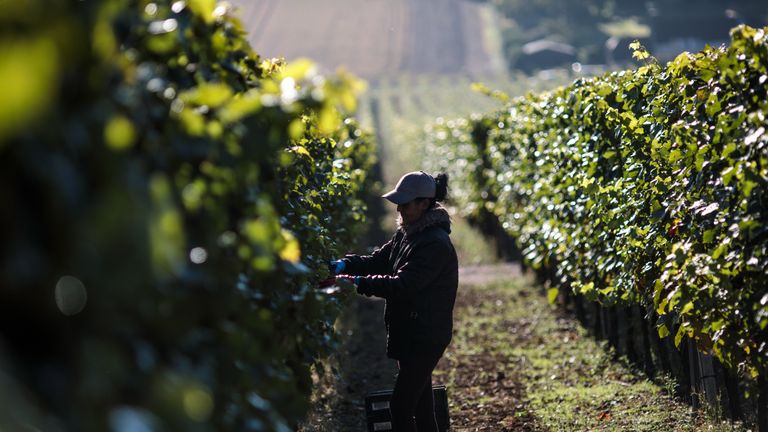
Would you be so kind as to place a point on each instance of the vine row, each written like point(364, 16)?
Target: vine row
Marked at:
point(170, 201)
point(646, 186)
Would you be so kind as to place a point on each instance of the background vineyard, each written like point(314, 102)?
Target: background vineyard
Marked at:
point(401, 110)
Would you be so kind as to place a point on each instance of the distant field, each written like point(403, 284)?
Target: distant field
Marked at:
point(376, 38)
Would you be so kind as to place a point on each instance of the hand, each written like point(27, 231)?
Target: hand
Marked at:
point(337, 266)
point(355, 280)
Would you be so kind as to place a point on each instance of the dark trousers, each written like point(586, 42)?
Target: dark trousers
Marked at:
point(412, 396)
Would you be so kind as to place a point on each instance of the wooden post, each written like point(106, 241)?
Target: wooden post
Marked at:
point(645, 342)
point(579, 308)
point(762, 402)
point(604, 323)
point(658, 345)
point(598, 324)
point(732, 390)
point(694, 374)
point(708, 379)
point(613, 329)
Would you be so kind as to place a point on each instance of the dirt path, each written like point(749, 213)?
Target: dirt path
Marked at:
point(515, 364)
point(487, 392)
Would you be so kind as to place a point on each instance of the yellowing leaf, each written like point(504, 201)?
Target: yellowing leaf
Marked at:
point(296, 130)
point(328, 120)
point(203, 8)
point(552, 295)
point(258, 231)
point(662, 306)
point(663, 331)
point(193, 122)
point(212, 95)
point(291, 252)
point(28, 76)
point(301, 150)
point(681, 331)
point(241, 106)
point(298, 69)
point(119, 133)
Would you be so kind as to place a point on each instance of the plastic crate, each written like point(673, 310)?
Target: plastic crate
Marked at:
point(378, 416)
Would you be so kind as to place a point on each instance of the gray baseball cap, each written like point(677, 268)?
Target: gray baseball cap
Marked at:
point(417, 184)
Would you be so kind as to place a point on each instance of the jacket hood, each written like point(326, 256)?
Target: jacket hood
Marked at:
point(437, 215)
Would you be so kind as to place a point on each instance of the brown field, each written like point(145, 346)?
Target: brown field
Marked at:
point(372, 38)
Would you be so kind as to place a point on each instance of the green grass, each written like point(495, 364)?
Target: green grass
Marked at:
point(571, 381)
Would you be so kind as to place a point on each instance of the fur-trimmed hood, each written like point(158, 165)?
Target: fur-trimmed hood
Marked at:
point(437, 215)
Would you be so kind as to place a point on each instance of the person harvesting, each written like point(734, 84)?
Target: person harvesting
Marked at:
point(416, 272)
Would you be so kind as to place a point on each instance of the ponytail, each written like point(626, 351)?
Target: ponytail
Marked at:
point(441, 187)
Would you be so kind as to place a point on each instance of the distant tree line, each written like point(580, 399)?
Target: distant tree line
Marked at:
point(587, 25)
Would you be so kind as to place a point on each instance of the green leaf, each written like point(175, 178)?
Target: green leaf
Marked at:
point(719, 251)
point(730, 148)
point(166, 232)
point(727, 174)
point(675, 155)
point(687, 308)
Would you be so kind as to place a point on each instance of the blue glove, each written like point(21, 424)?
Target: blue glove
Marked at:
point(337, 266)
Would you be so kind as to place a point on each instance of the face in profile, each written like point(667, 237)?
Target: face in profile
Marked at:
point(412, 211)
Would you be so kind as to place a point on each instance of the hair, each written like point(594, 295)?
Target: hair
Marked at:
point(441, 189)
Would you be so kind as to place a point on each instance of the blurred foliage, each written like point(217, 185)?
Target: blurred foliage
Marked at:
point(644, 186)
point(169, 203)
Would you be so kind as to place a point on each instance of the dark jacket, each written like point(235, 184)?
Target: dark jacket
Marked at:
point(417, 272)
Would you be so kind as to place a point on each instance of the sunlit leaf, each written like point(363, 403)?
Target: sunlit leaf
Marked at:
point(212, 95)
point(28, 77)
point(203, 8)
point(119, 133)
point(552, 295)
point(291, 252)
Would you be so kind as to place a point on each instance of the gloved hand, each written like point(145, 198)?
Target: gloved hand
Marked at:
point(337, 266)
